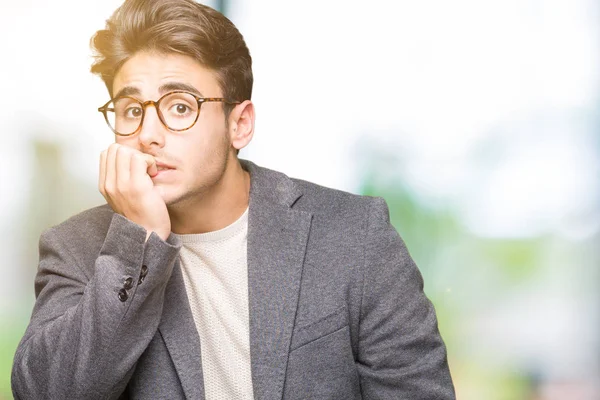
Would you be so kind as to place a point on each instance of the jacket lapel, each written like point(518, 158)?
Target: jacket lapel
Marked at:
point(181, 337)
point(277, 238)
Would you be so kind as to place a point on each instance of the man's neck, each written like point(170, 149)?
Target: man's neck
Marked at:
point(214, 210)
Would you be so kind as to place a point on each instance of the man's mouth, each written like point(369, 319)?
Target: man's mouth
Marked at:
point(163, 167)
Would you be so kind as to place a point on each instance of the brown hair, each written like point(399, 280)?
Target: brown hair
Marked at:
point(175, 26)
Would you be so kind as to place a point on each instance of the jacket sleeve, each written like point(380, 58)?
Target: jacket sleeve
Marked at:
point(401, 354)
point(88, 329)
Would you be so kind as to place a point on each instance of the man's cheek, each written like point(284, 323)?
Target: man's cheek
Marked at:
point(128, 141)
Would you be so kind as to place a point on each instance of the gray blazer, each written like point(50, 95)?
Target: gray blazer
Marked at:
point(337, 309)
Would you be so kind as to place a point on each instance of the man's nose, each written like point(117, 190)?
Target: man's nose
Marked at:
point(152, 131)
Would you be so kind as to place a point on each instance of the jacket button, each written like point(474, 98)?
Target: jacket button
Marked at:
point(143, 274)
point(128, 283)
point(123, 296)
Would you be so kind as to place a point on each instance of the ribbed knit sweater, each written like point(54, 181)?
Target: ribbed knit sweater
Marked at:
point(215, 272)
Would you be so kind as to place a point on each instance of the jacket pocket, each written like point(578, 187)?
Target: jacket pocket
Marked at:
point(317, 329)
point(323, 367)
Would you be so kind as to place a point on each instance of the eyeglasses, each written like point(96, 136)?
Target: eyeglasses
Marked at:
point(177, 110)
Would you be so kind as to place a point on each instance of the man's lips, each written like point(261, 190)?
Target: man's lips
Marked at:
point(163, 167)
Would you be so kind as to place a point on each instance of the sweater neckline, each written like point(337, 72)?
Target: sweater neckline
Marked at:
point(222, 234)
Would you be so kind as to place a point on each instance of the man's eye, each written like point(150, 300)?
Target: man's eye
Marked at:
point(133, 112)
point(181, 108)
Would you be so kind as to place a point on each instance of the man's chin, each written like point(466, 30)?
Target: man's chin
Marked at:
point(179, 199)
point(172, 200)
point(169, 198)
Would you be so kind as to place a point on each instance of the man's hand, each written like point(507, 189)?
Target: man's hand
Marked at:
point(126, 184)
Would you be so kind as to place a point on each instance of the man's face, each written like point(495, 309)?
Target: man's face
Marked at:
point(198, 156)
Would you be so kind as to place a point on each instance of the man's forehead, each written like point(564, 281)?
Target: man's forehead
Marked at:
point(150, 74)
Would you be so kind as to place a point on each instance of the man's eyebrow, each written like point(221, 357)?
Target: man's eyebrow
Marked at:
point(127, 91)
point(167, 87)
point(170, 86)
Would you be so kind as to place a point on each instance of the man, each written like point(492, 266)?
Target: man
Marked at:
point(206, 276)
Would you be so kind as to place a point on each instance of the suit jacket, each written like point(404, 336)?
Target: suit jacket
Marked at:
point(337, 309)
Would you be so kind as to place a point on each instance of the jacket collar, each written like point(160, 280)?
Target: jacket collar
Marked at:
point(270, 188)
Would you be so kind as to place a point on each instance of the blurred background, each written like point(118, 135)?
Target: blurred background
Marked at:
point(477, 120)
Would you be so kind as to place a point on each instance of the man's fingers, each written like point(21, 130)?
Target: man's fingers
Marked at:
point(152, 169)
point(122, 167)
point(102, 174)
point(123, 163)
point(110, 183)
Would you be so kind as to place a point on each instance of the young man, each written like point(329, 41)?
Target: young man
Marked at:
point(206, 276)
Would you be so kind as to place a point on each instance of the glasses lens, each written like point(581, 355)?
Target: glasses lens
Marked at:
point(179, 110)
point(124, 115)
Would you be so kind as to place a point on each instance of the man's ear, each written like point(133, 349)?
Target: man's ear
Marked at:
point(241, 124)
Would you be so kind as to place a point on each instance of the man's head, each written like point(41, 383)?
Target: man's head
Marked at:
point(151, 48)
point(176, 26)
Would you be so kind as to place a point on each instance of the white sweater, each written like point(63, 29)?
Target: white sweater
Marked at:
point(215, 272)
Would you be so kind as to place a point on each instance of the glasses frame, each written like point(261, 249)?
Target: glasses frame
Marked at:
point(201, 100)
